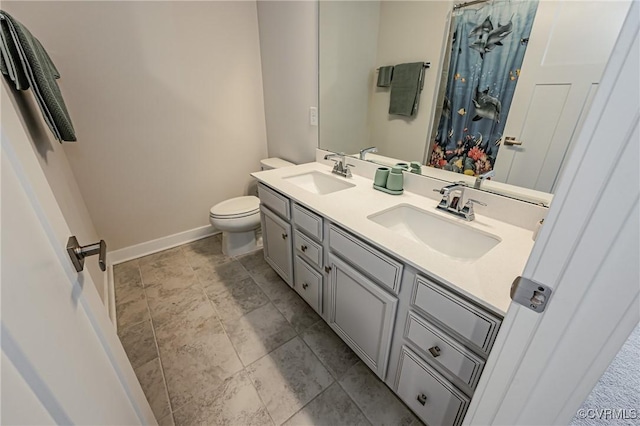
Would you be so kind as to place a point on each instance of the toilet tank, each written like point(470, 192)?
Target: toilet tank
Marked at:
point(274, 163)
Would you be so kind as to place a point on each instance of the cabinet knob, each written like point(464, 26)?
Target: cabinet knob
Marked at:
point(305, 285)
point(327, 269)
point(435, 351)
point(303, 248)
point(284, 236)
point(422, 399)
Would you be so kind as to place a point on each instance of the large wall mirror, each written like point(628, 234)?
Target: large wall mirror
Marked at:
point(507, 86)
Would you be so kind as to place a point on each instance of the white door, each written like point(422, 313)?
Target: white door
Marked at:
point(62, 362)
point(543, 366)
point(568, 49)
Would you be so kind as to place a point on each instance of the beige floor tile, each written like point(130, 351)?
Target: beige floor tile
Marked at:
point(374, 398)
point(331, 407)
point(236, 299)
point(132, 308)
point(169, 277)
point(288, 378)
point(127, 274)
point(258, 332)
point(205, 252)
point(336, 356)
point(139, 343)
point(270, 282)
point(168, 259)
point(150, 377)
point(196, 358)
point(298, 312)
point(178, 304)
point(166, 421)
point(234, 402)
point(253, 261)
point(221, 275)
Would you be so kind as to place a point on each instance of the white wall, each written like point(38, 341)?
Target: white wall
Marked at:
point(288, 45)
point(21, 119)
point(347, 52)
point(166, 99)
point(410, 31)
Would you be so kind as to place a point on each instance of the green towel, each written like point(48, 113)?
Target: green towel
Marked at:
point(27, 64)
point(384, 76)
point(406, 86)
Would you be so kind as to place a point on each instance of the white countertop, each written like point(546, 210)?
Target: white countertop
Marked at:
point(486, 280)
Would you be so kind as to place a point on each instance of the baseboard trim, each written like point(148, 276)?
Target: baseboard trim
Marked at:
point(164, 243)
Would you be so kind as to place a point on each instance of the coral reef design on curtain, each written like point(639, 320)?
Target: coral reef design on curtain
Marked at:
point(487, 50)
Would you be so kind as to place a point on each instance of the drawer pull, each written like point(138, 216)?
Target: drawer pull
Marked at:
point(305, 285)
point(284, 236)
point(327, 269)
point(303, 248)
point(422, 399)
point(435, 351)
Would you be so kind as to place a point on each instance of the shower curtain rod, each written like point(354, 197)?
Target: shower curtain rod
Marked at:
point(469, 3)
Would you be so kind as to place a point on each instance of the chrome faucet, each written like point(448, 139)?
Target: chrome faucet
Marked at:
point(484, 176)
point(340, 167)
point(452, 196)
point(365, 151)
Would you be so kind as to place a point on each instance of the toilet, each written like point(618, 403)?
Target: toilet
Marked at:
point(239, 218)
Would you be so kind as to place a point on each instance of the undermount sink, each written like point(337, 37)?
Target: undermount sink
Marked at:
point(438, 233)
point(319, 183)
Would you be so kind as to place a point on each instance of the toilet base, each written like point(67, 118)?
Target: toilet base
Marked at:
point(237, 243)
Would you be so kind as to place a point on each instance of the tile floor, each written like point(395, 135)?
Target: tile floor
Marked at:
point(224, 341)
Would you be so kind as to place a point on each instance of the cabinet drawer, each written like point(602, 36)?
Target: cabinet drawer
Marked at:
point(309, 284)
point(468, 321)
point(277, 202)
point(370, 261)
point(443, 350)
point(308, 249)
point(427, 393)
point(308, 221)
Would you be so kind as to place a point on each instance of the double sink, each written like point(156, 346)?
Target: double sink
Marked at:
point(451, 237)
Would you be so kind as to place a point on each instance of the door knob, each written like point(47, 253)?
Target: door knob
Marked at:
point(77, 253)
point(303, 248)
point(305, 285)
point(284, 236)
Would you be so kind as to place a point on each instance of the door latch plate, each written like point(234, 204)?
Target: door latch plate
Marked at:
point(530, 294)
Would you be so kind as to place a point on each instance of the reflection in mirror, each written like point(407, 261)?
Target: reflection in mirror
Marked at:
point(486, 48)
point(559, 75)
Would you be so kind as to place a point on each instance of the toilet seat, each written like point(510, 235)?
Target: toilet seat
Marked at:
point(236, 208)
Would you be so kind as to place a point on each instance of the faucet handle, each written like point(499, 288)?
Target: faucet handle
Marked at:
point(471, 201)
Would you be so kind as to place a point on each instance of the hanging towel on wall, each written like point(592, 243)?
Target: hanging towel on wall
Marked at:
point(406, 86)
point(384, 76)
point(27, 64)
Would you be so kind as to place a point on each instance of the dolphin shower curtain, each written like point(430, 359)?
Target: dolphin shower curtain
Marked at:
point(487, 49)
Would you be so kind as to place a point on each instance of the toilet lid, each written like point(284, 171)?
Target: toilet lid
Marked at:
point(236, 207)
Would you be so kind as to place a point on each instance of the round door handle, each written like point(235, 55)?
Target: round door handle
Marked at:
point(284, 236)
point(422, 399)
point(303, 248)
point(435, 351)
point(305, 285)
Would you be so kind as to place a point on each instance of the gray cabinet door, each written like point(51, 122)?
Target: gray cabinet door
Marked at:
point(276, 238)
point(361, 313)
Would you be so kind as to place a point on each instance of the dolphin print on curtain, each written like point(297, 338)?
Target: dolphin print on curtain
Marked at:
point(487, 50)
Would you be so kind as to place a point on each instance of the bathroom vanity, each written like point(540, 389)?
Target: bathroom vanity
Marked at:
point(419, 295)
